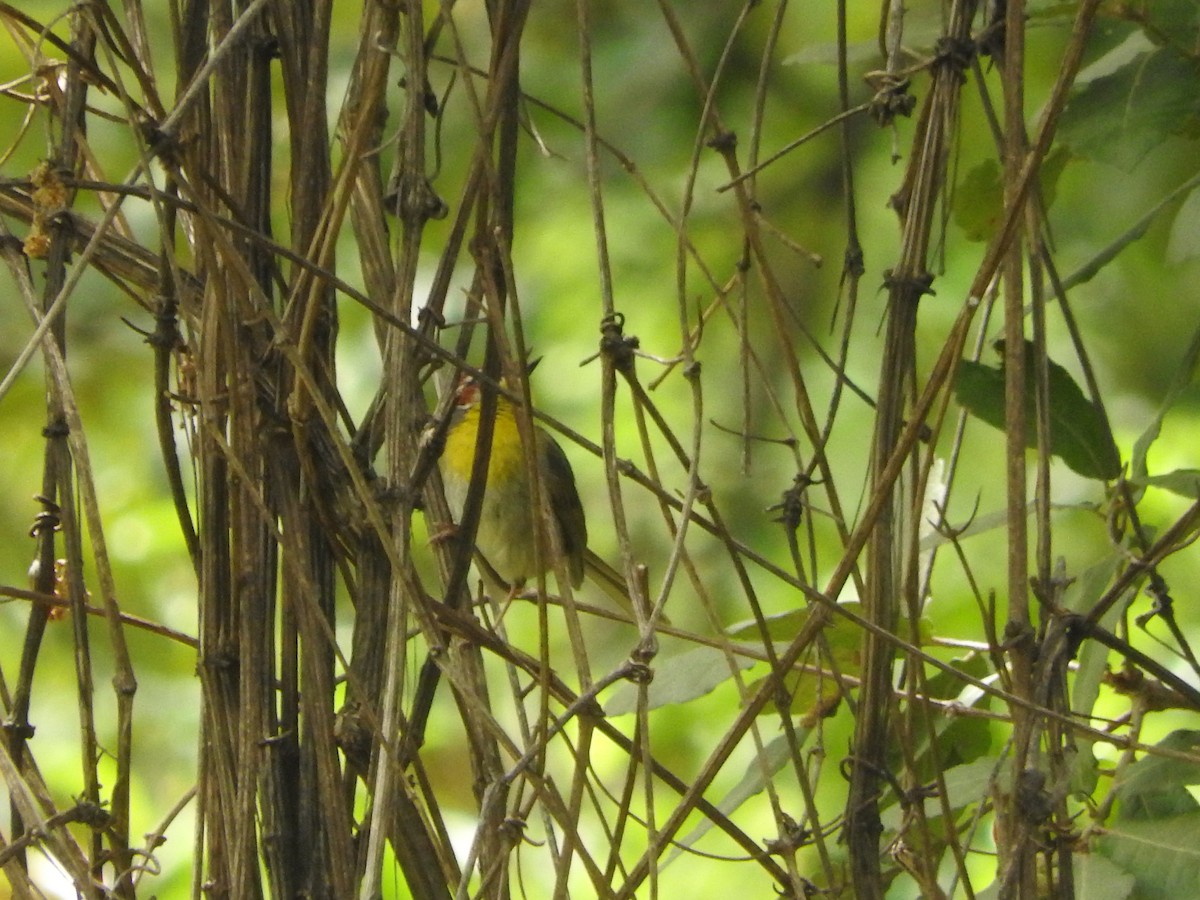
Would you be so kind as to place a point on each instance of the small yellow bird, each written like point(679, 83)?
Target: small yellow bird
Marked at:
point(506, 536)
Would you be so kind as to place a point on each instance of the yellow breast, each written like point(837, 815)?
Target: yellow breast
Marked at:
point(506, 459)
point(505, 536)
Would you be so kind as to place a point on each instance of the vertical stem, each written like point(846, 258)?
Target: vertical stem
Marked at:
point(916, 203)
point(1014, 840)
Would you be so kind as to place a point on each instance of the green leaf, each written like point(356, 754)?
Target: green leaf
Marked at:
point(1106, 35)
point(812, 694)
point(782, 628)
point(1079, 434)
point(979, 197)
point(677, 679)
point(1155, 834)
point(1118, 118)
point(1184, 243)
point(1099, 878)
point(773, 758)
point(1121, 45)
point(979, 201)
point(959, 740)
point(1163, 855)
point(827, 54)
point(1174, 23)
point(1184, 482)
point(1184, 375)
point(922, 28)
point(965, 784)
point(1155, 787)
point(980, 524)
point(947, 685)
point(1080, 596)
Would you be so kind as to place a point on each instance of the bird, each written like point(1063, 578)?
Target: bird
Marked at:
point(507, 533)
point(506, 536)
